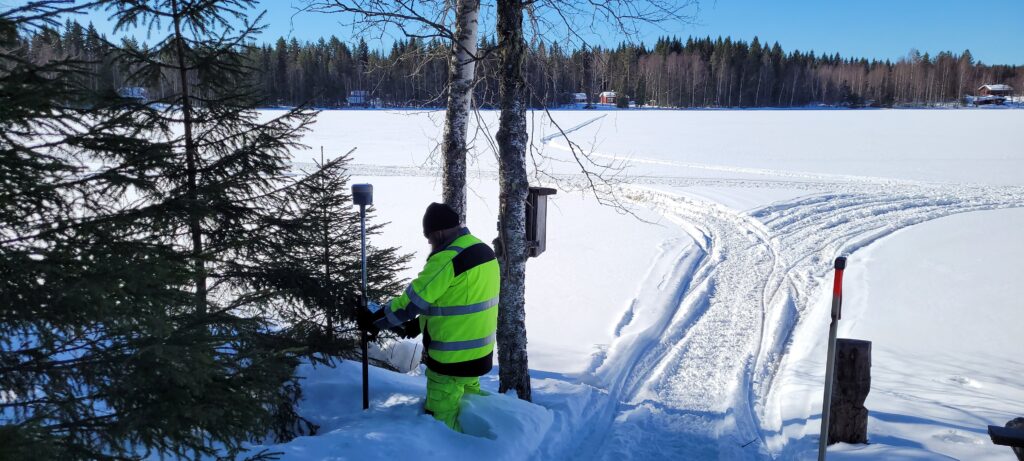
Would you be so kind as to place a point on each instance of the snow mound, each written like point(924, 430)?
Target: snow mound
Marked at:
point(497, 426)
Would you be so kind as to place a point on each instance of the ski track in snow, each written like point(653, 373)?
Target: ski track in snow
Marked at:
point(561, 133)
point(690, 372)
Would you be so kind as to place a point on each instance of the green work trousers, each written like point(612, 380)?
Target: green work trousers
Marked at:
point(444, 395)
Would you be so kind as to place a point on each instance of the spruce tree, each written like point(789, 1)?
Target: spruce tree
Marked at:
point(123, 331)
point(309, 256)
point(102, 355)
point(225, 160)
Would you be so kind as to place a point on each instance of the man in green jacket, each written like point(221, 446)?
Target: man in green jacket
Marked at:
point(454, 303)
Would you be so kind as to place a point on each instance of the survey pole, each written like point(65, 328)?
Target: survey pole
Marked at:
point(362, 195)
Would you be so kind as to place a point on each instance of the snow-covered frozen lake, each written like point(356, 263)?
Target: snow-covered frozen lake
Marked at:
point(696, 328)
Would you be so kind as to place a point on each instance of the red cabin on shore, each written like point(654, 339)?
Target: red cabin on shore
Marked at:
point(997, 89)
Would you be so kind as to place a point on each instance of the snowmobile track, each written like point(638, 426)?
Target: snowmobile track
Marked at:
point(701, 389)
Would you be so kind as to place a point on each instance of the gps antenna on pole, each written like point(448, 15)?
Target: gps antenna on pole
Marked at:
point(830, 361)
point(362, 195)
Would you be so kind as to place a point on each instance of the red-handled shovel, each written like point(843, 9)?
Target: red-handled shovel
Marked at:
point(830, 362)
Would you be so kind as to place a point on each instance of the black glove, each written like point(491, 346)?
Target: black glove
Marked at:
point(410, 329)
point(364, 318)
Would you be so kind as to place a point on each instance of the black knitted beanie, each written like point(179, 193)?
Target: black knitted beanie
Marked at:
point(439, 216)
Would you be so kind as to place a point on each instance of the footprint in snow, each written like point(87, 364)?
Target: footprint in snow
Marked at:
point(954, 436)
point(965, 381)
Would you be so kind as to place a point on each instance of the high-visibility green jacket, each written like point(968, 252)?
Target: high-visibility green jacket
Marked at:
point(456, 299)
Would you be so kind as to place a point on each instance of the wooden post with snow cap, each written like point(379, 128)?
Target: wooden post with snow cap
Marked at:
point(837, 311)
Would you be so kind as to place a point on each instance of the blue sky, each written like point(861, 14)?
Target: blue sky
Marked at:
point(883, 29)
point(875, 28)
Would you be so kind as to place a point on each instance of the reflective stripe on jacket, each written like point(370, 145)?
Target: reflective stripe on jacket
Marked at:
point(456, 299)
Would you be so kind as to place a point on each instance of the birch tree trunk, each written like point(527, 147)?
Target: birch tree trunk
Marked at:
point(512, 138)
point(461, 69)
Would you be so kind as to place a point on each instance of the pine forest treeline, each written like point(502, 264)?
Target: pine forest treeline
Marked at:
point(697, 72)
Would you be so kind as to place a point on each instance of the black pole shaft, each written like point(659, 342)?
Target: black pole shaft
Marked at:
point(830, 360)
point(826, 405)
point(363, 340)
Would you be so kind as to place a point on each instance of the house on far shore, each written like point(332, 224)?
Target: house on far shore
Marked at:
point(137, 93)
point(358, 98)
point(997, 89)
point(607, 97)
point(579, 98)
point(992, 94)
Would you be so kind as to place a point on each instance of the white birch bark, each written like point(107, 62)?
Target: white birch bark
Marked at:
point(461, 71)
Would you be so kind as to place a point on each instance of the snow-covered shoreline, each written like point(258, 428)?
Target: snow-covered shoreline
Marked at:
point(698, 336)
